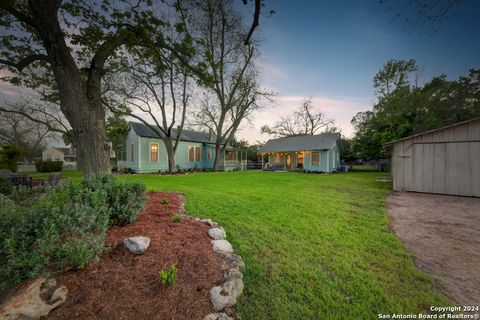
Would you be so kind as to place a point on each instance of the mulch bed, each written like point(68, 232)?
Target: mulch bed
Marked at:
point(125, 286)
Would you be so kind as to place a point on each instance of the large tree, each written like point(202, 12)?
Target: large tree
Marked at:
point(67, 47)
point(407, 108)
point(233, 91)
point(305, 121)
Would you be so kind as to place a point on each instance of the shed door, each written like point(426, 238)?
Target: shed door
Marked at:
point(448, 168)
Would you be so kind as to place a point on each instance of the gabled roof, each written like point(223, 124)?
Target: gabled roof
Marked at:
point(187, 135)
point(388, 144)
point(322, 141)
point(66, 150)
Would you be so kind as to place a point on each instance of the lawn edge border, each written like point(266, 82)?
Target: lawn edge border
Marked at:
point(224, 296)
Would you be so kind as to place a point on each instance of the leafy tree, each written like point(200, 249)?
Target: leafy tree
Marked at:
point(117, 128)
point(304, 121)
point(403, 108)
point(10, 155)
point(64, 48)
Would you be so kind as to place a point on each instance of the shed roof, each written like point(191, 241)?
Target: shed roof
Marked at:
point(322, 141)
point(430, 131)
point(187, 135)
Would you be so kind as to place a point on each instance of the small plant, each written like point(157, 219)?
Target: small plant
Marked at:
point(168, 276)
point(164, 202)
point(177, 218)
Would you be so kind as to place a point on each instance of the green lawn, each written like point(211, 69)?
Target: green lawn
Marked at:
point(315, 246)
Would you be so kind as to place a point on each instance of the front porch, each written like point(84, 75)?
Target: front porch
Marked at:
point(283, 161)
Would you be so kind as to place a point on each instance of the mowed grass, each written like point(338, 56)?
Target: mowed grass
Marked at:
point(315, 246)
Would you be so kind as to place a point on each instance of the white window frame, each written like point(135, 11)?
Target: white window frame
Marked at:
point(311, 158)
point(195, 153)
point(150, 151)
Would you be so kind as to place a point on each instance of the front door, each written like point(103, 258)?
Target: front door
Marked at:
point(288, 161)
point(300, 160)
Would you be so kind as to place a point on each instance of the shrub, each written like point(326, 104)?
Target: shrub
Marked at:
point(164, 202)
point(128, 171)
point(168, 276)
point(177, 218)
point(6, 186)
point(125, 199)
point(49, 166)
point(65, 229)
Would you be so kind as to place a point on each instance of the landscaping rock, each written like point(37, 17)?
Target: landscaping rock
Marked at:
point(222, 246)
point(137, 245)
point(209, 222)
point(231, 266)
point(217, 316)
point(34, 302)
point(217, 233)
point(226, 295)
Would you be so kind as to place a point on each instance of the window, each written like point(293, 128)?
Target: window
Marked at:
point(276, 159)
point(153, 152)
point(193, 153)
point(231, 155)
point(210, 154)
point(315, 158)
point(132, 150)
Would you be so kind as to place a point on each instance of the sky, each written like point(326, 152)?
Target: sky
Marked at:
point(331, 50)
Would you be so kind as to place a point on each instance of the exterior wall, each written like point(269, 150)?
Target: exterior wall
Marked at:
point(134, 163)
point(444, 161)
point(141, 159)
point(325, 161)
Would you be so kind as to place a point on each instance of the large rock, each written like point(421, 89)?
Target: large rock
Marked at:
point(35, 301)
point(226, 295)
point(222, 246)
point(217, 316)
point(217, 233)
point(231, 266)
point(137, 245)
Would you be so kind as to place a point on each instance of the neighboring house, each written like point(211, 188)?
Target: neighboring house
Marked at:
point(145, 151)
point(65, 154)
point(320, 153)
point(444, 160)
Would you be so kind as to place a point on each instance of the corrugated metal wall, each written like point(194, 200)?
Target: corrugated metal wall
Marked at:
point(446, 161)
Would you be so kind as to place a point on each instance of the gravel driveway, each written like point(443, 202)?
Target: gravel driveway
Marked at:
point(444, 234)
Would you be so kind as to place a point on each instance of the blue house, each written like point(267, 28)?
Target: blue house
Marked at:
point(145, 151)
point(319, 153)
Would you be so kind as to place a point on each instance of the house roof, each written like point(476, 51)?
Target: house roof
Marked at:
point(187, 135)
point(322, 141)
point(66, 150)
point(430, 131)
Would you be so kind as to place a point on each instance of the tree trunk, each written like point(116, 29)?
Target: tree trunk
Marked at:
point(85, 113)
point(170, 154)
point(218, 156)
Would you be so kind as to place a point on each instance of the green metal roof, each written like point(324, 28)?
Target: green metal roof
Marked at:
point(322, 141)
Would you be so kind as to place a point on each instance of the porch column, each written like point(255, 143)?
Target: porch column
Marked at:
point(262, 161)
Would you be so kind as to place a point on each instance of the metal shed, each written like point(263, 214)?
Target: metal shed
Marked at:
point(444, 160)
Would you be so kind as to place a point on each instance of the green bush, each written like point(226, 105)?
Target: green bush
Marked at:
point(49, 166)
point(177, 218)
point(64, 229)
point(6, 186)
point(125, 199)
point(61, 227)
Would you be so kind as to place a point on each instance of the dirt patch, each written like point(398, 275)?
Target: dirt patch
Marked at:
point(444, 234)
point(124, 286)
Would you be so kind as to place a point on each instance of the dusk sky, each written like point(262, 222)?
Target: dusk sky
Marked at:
point(330, 50)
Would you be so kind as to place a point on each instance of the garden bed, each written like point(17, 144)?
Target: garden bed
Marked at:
point(125, 286)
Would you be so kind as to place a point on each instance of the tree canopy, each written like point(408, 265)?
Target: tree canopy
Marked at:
point(404, 108)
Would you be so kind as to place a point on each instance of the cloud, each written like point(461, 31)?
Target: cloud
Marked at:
point(340, 109)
